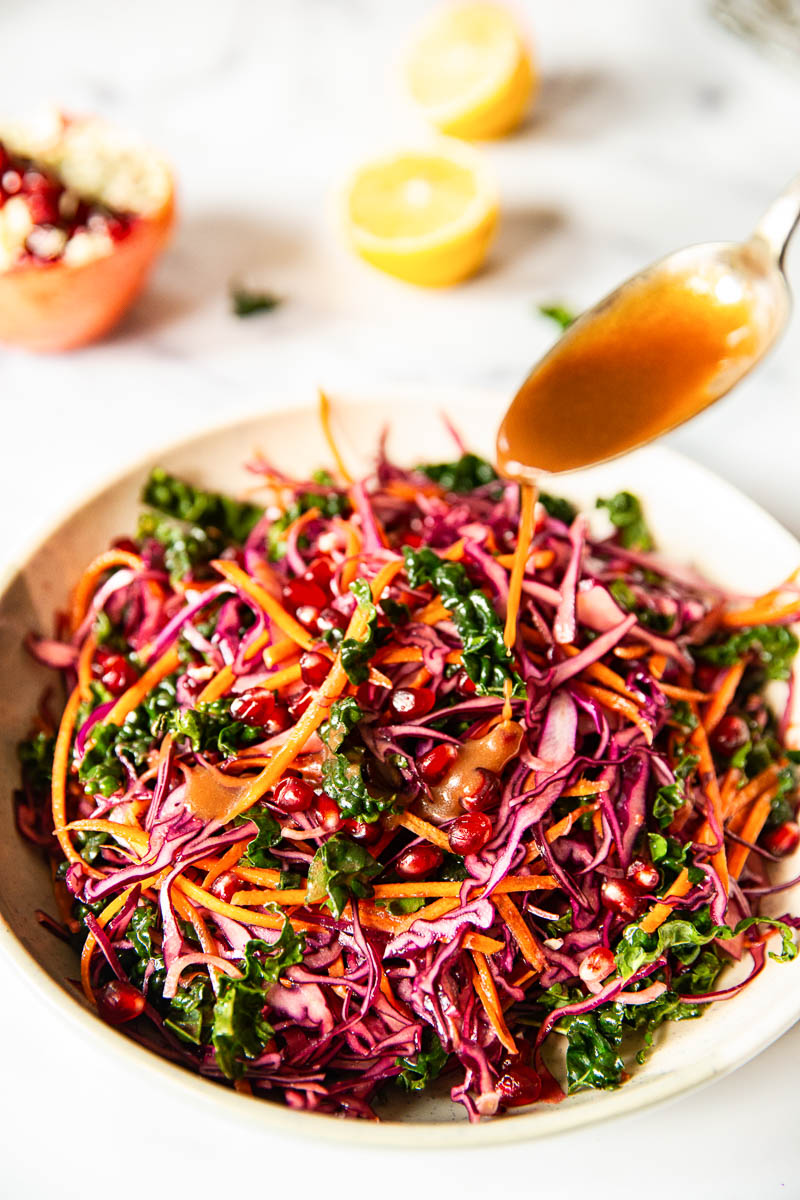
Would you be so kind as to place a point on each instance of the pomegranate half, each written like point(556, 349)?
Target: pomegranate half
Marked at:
point(84, 212)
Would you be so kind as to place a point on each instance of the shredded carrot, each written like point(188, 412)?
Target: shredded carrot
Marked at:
point(761, 614)
point(398, 891)
point(681, 693)
point(708, 778)
point(87, 584)
point(659, 912)
point(525, 939)
point(300, 522)
point(325, 422)
point(617, 704)
point(487, 994)
point(723, 696)
point(658, 665)
point(219, 684)
point(605, 675)
point(85, 666)
point(281, 679)
point(214, 904)
point(276, 652)
point(224, 863)
point(138, 838)
point(352, 551)
point(479, 941)
point(743, 797)
point(274, 610)
point(128, 701)
point(455, 552)
point(59, 788)
point(750, 831)
point(539, 559)
point(587, 787)
point(317, 710)
point(432, 613)
point(626, 652)
point(424, 829)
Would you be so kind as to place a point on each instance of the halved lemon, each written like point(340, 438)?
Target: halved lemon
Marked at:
point(426, 216)
point(471, 71)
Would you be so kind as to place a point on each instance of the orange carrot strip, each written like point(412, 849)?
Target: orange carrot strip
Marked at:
point(539, 559)
point(432, 613)
point(275, 611)
point(750, 831)
point(59, 787)
point(424, 829)
point(605, 675)
point(487, 994)
point(87, 584)
point(128, 701)
point(214, 904)
point(138, 838)
point(681, 693)
point(352, 551)
point(637, 651)
point(525, 939)
point(760, 614)
point(708, 778)
point(219, 684)
point(587, 787)
point(317, 710)
point(399, 891)
point(479, 941)
point(723, 696)
point(617, 704)
point(276, 652)
point(282, 678)
point(658, 665)
point(224, 863)
point(85, 666)
point(740, 799)
point(325, 422)
point(659, 912)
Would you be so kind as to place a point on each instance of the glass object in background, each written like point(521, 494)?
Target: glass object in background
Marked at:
point(774, 25)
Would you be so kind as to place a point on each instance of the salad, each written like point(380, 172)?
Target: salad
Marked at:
point(409, 781)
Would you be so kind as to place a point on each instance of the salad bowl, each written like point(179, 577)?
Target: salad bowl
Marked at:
point(698, 521)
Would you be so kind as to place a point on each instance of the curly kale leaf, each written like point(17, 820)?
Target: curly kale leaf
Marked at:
point(233, 519)
point(464, 475)
point(487, 660)
point(210, 727)
point(343, 718)
point(672, 796)
point(421, 1069)
point(355, 653)
point(330, 504)
point(626, 514)
point(239, 1029)
point(340, 869)
point(344, 782)
point(773, 647)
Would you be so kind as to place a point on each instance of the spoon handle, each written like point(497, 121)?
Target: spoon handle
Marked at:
point(780, 221)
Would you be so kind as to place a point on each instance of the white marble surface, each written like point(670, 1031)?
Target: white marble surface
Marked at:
point(654, 129)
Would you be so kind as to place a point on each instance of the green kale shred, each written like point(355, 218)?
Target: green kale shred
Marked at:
point(233, 519)
point(340, 869)
point(487, 660)
point(464, 475)
point(626, 514)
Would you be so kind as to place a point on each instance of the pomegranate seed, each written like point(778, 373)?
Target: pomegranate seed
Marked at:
point(464, 684)
point(302, 593)
point(254, 707)
point(319, 573)
point(300, 702)
point(331, 618)
point(619, 896)
point(3, 158)
point(11, 182)
point(308, 616)
point(409, 703)
point(43, 208)
point(481, 791)
point(365, 832)
point(327, 813)
point(226, 885)
point(730, 734)
point(418, 861)
point(118, 228)
point(433, 766)
point(294, 795)
point(518, 1085)
point(597, 964)
point(705, 677)
point(119, 1002)
point(644, 875)
point(470, 833)
point(783, 839)
point(314, 668)
point(125, 543)
point(412, 539)
point(115, 672)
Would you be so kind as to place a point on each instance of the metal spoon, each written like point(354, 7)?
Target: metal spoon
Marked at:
point(669, 342)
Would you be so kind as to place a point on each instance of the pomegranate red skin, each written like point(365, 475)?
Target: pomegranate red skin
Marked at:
point(783, 839)
point(470, 833)
point(254, 707)
point(519, 1085)
point(418, 861)
point(294, 795)
point(49, 307)
point(365, 832)
point(409, 703)
point(482, 792)
point(645, 875)
point(226, 886)
point(433, 766)
point(314, 668)
point(730, 734)
point(620, 896)
point(119, 1002)
point(327, 813)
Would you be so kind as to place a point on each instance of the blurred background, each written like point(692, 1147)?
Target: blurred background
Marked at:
point(656, 125)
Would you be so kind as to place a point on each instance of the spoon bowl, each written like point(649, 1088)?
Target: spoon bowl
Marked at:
point(666, 344)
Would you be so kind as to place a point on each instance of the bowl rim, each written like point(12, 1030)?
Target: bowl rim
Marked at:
point(271, 1117)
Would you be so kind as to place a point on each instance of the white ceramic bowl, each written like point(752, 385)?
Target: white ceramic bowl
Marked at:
point(697, 519)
